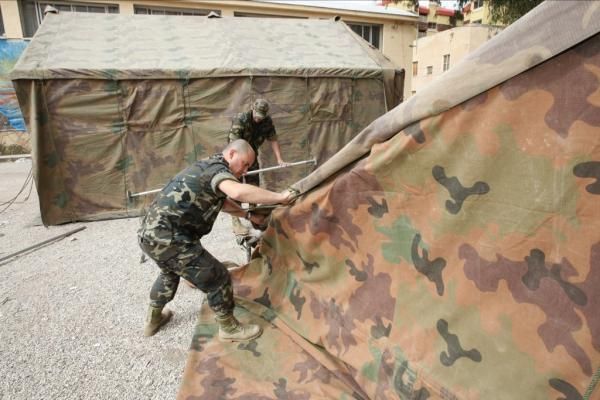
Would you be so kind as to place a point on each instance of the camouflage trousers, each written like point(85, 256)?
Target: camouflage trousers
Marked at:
point(196, 265)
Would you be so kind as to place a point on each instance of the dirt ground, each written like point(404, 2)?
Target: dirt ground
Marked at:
point(72, 312)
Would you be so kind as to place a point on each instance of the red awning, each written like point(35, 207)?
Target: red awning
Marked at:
point(445, 12)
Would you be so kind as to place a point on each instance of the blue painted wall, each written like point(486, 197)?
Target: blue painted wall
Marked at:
point(10, 113)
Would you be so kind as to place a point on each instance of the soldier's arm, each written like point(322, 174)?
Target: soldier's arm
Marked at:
point(277, 152)
point(272, 138)
point(235, 132)
point(252, 194)
point(233, 208)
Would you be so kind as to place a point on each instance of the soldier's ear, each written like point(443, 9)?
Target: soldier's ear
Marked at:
point(228, 154)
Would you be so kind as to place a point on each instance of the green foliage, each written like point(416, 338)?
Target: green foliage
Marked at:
point(506, 11)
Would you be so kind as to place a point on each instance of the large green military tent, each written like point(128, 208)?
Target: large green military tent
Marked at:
point(450, 251)
point(119, 103)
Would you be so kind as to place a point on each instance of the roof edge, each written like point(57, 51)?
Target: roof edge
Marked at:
point(108, 74)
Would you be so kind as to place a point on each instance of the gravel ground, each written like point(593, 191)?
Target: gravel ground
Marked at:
point(72, 312)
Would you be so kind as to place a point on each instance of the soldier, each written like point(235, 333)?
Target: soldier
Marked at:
point(183, 212)
point(254, 126)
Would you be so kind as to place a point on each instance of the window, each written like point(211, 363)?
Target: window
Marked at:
point(172, 11)
point(415, 68)
point(446, 65)
point(429, 69)
point(431, 25)
point(253, 15)
point(371, 33)
point(32, 11)
point(477, 4)
point(2, 31)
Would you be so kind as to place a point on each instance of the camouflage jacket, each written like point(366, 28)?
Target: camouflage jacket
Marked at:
point(244, 127)
point(186, 208)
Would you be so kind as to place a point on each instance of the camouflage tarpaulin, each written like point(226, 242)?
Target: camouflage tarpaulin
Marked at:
point(458, 259)
point(116, 103)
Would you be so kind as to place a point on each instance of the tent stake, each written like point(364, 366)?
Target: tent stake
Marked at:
point(61, 236)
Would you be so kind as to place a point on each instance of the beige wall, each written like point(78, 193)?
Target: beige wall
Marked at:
point(442, 19)
point(481, 13)
point(397, 46)
point(434, 17)
point(458, 42)
point(12, 19)
point(125, 7)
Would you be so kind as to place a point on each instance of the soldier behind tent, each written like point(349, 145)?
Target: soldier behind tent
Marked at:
point(182, 213)
point(254, 126)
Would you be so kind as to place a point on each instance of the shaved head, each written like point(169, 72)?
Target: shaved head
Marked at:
point(240, 156)
point(241, 146)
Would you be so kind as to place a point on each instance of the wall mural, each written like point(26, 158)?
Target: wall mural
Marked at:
point(10, 113)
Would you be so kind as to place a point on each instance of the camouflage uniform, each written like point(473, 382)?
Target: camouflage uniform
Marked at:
point(244, 127)
point(183, 212)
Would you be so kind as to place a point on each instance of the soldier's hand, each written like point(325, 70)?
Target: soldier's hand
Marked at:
point(287, 196)
point(283, 163)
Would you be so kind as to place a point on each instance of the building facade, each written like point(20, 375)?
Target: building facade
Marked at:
point(478, 12)
point(434, 55)
point(391, 30)
point(433, 18)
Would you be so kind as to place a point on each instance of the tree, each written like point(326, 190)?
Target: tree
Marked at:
point(506, 11)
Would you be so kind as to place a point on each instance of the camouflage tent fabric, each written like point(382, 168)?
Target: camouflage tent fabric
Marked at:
point(458, 258)
point(119, 103)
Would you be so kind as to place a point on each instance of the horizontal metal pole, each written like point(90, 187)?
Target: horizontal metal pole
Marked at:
point(258, 171)
point(131, 195)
